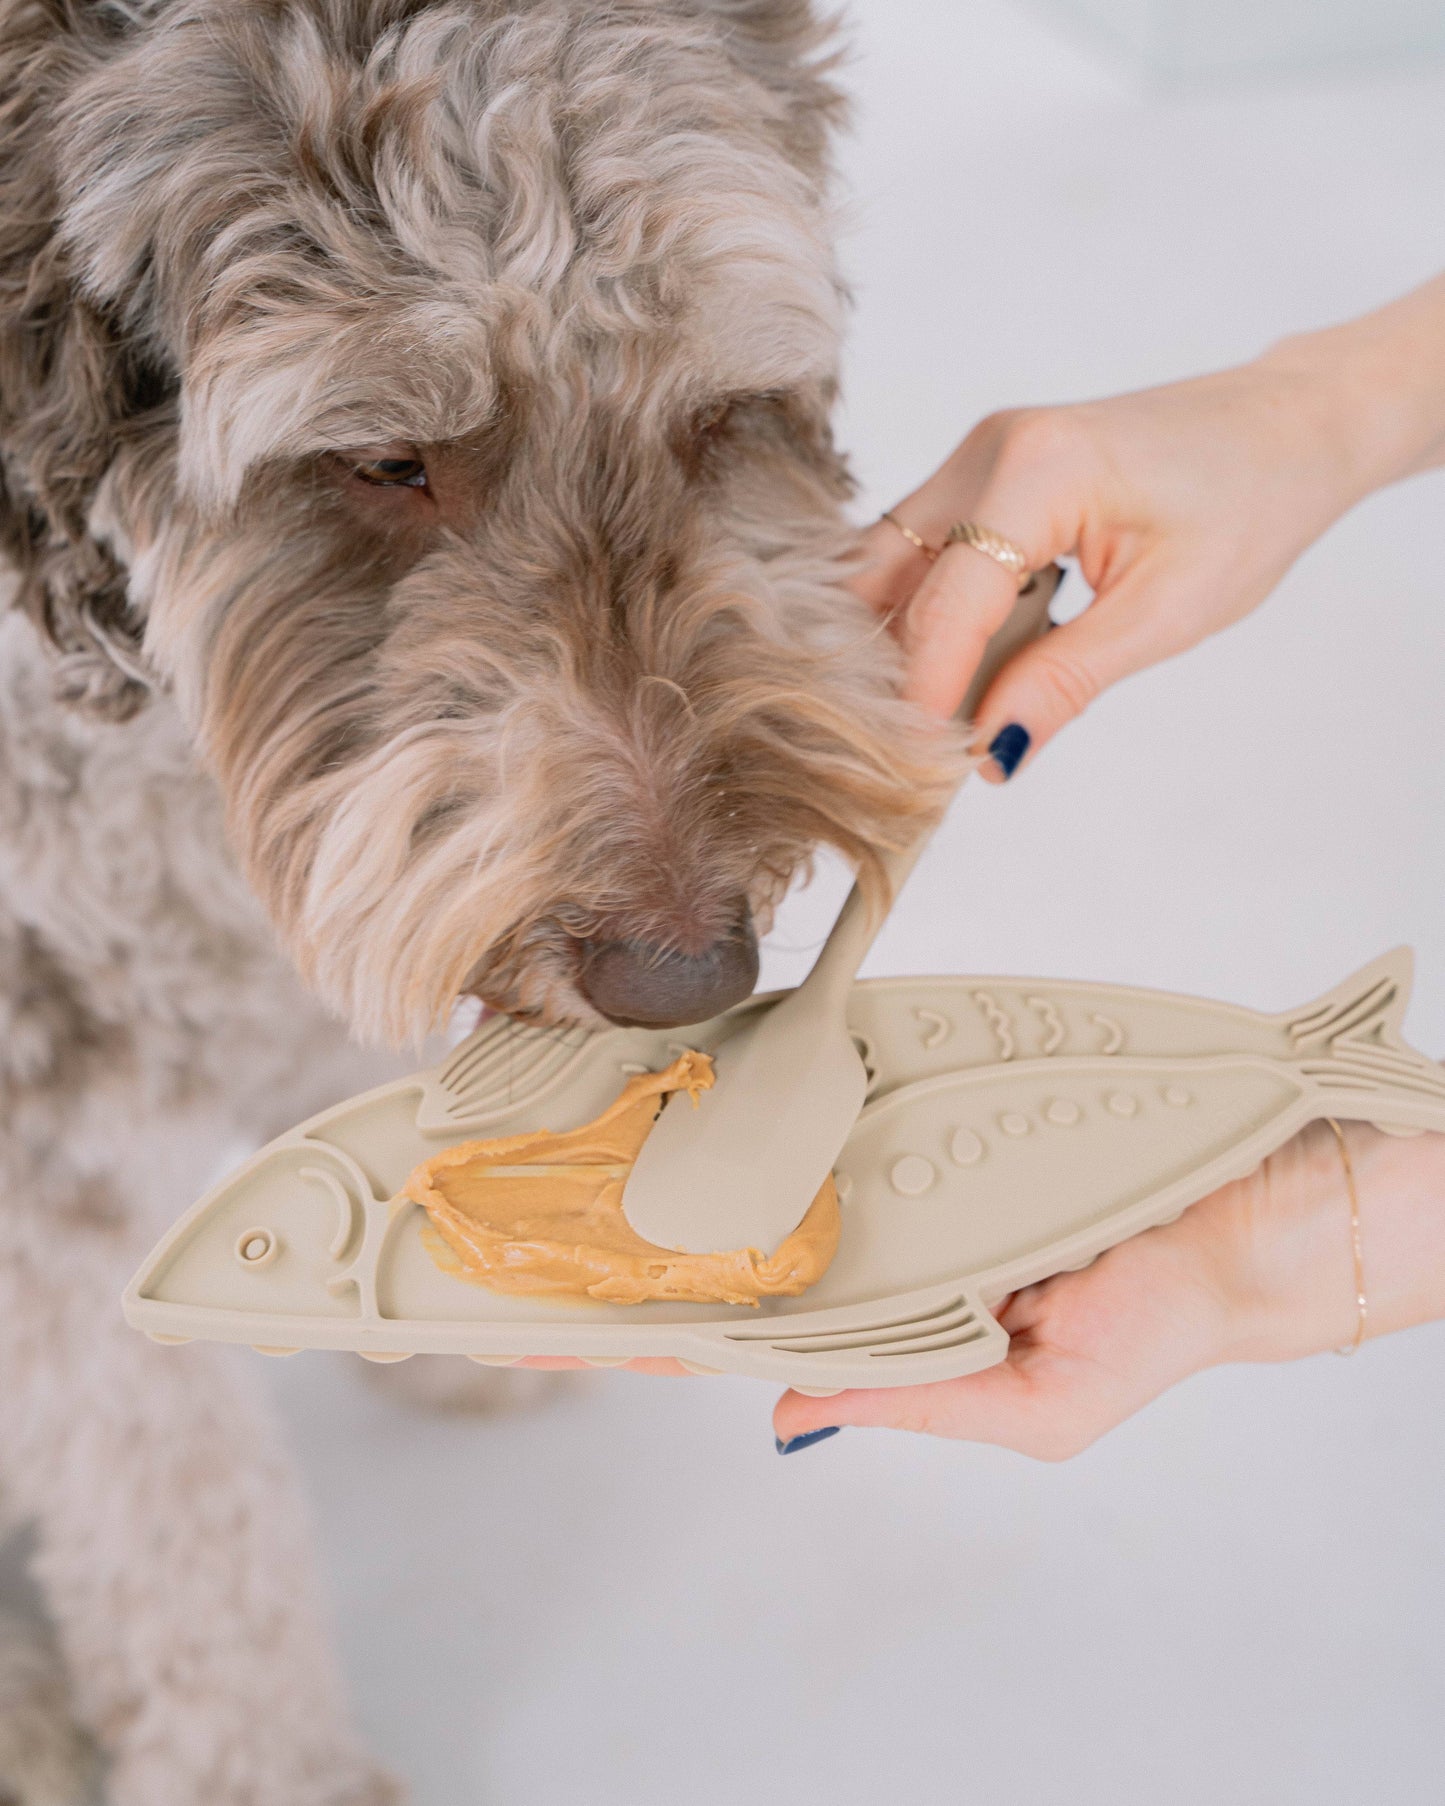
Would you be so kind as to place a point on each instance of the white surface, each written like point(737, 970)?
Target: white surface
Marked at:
point(1207, 37)
point(627, 1599)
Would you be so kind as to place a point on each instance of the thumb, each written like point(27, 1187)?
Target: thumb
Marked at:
point(992, 1406)
point(1052, 681)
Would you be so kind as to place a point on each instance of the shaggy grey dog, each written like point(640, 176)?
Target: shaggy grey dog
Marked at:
point(425, 543)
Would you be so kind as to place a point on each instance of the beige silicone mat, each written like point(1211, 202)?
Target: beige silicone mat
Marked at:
point(1014, 1128)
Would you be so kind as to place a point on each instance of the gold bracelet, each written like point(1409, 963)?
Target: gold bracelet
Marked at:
point(1362, 1307)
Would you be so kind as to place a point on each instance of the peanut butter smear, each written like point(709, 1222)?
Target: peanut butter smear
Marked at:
point(542, 1213)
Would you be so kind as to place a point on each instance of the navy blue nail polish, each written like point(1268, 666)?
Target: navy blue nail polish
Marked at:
point(1008, 747)
point(795, 1443)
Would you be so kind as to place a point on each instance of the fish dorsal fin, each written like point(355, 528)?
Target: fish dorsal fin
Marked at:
point(1369, 1000)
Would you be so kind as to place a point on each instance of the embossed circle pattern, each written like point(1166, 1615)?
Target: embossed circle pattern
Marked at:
point(966, 1148)
point(912, 1175)
point(1064, 1111)
point(1178, 1096)
point(1014, 1124)
point(1122, 1104)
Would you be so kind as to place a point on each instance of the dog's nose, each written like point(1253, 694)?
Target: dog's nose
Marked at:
point(638, 985)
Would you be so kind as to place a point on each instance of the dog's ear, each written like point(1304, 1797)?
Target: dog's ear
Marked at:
point(792, 49)
point(72, 392)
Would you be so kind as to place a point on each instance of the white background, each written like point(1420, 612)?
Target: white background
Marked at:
point(625, 1598)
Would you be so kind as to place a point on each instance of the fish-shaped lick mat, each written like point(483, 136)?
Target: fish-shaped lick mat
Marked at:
point(1014, 1128)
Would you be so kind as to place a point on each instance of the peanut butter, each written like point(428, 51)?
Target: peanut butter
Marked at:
point(542, 1213)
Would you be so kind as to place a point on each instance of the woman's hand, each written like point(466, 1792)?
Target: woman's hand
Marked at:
point(1183, 505)
point(1261, 1270)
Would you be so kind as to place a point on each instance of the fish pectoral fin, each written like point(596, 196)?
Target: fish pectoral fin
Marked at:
point(1372, 998)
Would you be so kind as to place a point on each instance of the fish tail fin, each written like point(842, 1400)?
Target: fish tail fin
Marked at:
point(1374, 998)
point(1349, 1042)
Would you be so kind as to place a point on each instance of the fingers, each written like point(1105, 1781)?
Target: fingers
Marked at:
point(1086, 1350)
point(958, 608)
point(969, 1407)
point(1053, 681)
point(1054, 1394)
point(964, 597)
point(1005, 1405)
point(892, 568)
point(1050, 1411)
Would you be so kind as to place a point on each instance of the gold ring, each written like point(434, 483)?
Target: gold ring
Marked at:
point(992, 545)
point(922, 545)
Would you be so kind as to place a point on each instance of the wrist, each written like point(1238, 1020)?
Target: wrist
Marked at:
point(1280, 1250)
point(1371, 391)
point(1287, 1255)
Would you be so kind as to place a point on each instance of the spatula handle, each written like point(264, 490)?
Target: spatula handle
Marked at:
point(855, 929)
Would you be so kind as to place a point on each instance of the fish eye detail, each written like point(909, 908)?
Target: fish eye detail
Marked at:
point(257, 1248)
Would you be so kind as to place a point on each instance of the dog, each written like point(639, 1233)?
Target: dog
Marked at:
point(424, 553)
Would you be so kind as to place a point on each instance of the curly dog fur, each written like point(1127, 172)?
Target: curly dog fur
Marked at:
point(425, 541)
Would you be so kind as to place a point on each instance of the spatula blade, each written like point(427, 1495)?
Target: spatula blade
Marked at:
point(738, 1169)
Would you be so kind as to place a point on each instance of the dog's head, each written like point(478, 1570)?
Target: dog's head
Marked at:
point(475, 485)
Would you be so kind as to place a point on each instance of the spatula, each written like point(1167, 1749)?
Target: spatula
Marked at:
point(739, 1169)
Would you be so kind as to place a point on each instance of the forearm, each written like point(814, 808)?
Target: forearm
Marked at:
point(1378, 387)
point(1280, 1244)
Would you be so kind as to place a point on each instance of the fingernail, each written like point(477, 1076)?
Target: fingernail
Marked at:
point(794, 1443)
point(1008, 747)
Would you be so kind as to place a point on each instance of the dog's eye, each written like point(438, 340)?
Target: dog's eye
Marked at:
point(712, 418)
point(724, 419)
point(389, 471)
point(711, 423)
